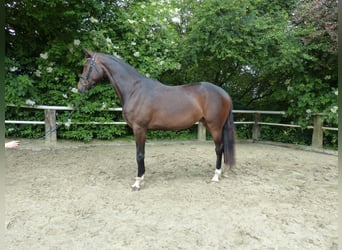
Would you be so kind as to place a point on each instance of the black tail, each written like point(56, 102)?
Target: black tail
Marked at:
point(229, 140)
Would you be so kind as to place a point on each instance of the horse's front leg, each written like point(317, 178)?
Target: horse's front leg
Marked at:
point(140, 139)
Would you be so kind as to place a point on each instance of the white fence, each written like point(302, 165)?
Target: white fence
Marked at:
point(51, 123)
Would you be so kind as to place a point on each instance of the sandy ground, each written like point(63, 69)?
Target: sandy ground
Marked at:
point(77, 196)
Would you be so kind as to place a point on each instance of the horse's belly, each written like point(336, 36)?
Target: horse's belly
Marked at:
point(173, 121)
point(170, 126)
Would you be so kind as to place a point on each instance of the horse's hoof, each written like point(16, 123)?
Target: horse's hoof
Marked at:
point(215, 179)
point(137, 183)
point(217, 176)
point(133, 189)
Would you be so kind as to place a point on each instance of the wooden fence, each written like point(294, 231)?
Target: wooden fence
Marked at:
point(51, 123)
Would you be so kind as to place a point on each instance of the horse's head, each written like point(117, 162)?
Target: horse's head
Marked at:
point(91, 73)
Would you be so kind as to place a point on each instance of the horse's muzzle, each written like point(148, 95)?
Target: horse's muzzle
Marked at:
point(82, 88)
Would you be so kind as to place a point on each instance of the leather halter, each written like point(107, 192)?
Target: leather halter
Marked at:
point(86, 78)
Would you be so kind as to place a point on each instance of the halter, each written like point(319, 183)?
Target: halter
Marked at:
point(91, 66)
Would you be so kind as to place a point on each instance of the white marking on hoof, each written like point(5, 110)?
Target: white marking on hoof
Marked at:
point(217, 176)
point(136, 185)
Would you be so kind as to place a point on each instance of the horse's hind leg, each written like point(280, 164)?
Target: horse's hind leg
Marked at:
point(217, 137)
point(218, 169)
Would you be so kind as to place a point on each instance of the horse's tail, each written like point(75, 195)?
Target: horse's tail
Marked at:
point(229, 140)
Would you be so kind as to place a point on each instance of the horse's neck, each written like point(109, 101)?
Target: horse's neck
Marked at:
point(122, 80)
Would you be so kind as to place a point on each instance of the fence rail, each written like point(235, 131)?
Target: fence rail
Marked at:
point(51, 123)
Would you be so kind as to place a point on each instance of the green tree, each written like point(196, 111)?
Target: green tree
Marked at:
point(247, 47)
point(315, 91)
point(279, 55)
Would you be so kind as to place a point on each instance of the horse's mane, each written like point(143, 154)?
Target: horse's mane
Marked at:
point(132, 71)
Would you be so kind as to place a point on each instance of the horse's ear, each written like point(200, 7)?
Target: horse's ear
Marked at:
point(88, 53)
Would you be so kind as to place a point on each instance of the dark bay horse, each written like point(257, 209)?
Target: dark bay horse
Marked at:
point(149, 104)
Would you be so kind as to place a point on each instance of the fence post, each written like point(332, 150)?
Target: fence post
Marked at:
point(256, 127)
point(317, 133)
point(50, 125)
point(201, 131)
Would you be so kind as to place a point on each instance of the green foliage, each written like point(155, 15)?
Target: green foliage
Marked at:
point(147, 38)
point(187, 134)
point(286, 135)
point(312, 96)
point(83, 133)
point(330, 139)
point(246, 47)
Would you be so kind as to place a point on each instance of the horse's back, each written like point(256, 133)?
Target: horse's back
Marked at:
point(204, 95)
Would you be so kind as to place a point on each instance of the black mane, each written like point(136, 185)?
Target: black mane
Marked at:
point(126, 66)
